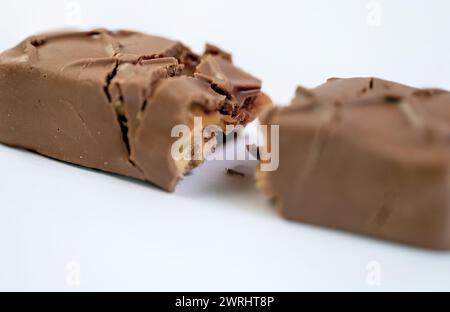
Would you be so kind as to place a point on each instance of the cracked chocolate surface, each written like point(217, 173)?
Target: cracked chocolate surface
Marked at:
point(368, 156)
point(108, 100)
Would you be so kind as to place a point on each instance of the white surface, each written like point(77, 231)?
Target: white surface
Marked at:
point(216, 232)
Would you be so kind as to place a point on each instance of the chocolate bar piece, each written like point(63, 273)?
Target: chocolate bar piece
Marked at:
point(108, 100)
point(367, 156)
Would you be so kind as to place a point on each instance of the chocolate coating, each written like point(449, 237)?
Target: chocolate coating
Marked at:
point(367, 156)
point(107, 100)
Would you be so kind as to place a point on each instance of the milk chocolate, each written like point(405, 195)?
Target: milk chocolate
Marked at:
point(367, 156)
point(108, 100)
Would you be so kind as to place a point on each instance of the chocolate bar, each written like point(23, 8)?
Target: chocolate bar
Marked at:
point(108, 100)
point(367, 156)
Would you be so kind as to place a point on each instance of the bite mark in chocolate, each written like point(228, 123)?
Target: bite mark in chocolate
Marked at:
point(108, 100)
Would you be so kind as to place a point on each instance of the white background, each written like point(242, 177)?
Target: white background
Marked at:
point(66, 228)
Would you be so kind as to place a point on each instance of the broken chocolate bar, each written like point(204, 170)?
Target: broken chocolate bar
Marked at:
point(108, 100)
point(367, 156)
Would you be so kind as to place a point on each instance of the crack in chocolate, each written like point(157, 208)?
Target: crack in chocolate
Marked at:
point(118, 109)
point(109, 77)
point(121, 118)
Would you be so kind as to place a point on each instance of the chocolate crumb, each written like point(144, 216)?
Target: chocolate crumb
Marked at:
point(232, 172)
